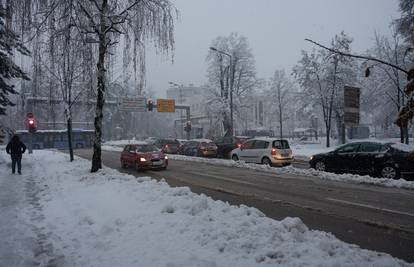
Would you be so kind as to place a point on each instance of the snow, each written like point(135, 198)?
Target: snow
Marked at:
point(107, 218)
point(403, 147)
point(124, 142)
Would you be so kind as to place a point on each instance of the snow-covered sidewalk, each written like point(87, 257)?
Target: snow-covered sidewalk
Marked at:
point(74, 218)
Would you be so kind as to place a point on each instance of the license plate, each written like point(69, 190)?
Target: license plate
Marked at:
point(157, 163)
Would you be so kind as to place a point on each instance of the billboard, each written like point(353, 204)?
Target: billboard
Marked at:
point(351, 105)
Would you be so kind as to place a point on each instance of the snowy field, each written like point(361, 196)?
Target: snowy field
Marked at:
point(348, 178)
point(66, 216)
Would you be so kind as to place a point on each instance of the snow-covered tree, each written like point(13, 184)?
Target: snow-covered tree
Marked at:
point(9, 44)
point(231, 75)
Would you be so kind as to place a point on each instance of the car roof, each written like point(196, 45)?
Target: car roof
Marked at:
point(201, 140)
point(138, 143)
point(268, 139)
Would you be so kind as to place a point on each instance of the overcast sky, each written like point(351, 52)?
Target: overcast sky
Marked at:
point(275, 30)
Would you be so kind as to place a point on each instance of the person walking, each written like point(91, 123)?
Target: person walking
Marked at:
point(16, 148)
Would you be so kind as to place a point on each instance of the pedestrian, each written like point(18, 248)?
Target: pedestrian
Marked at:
point(16, 148)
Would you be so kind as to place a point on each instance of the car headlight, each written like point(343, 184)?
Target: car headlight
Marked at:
point(311, 157)
point(165, 157)
point(142, 159)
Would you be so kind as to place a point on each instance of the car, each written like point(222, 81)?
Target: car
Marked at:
point(169, 146)
point(143, 156)
point(387, 160)
point(227, 143)
point(199, 148)
point(264, 150)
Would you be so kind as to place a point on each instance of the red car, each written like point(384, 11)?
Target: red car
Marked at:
point(143, 156)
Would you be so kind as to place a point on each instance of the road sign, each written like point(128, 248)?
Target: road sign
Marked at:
point(165, 105)
point(137, 104)
point(351, 105)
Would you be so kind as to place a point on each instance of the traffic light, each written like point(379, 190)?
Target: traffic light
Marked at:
point(187, 126)
point(150, 105)
point(31, 123)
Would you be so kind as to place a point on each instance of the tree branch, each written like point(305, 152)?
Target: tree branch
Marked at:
point(358, 56)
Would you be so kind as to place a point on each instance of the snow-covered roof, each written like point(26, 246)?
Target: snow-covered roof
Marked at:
point(202, 140)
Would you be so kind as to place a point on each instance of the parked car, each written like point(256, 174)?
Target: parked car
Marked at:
point(227, 143)
point(387, 160)
point(143, 156)
point(264, 150)
point(199, 148)
point(180, 147)
point(169, 146)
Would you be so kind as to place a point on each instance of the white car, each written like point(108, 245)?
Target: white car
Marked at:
point(264, 150)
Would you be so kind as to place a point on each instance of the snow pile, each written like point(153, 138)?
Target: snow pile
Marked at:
point(113, 219)
point(352, 178)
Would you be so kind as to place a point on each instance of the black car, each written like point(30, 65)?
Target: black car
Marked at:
point(227, 143)
point(387, 160)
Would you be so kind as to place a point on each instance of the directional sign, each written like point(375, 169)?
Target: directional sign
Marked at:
point(137, 104)
point(165, 105)
point(351, 105)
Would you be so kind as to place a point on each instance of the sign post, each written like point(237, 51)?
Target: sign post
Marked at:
point(351, 107)
point(165, 105)
point(137, 104)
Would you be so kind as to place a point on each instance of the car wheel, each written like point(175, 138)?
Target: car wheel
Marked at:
point(137, 167)
point(320, 166)
point(123, 164)
point(235, 158)
point(389, 172)
point(266, 161)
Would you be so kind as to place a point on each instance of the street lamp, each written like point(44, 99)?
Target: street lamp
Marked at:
point(180, 100)
point(231, 83)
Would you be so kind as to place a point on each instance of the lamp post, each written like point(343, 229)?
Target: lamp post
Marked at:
point(180, 100)
point(231, 84)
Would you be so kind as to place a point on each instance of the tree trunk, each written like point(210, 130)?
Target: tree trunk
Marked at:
point(96, 158)
point(69, 125)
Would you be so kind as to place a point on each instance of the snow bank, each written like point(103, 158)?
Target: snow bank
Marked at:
point(351, 178)
point(113, 219)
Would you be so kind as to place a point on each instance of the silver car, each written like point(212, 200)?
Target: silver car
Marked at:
point(269, 151)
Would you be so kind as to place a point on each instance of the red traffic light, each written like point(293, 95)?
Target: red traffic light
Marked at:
point(30, 122)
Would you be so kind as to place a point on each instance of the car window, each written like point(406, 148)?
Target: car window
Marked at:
point(146, 148)
point(348, 148)
point(131, 149)
point(370, 147)
point(280, 144)
point(259, 144)
point(248, 144)
point(126, 148)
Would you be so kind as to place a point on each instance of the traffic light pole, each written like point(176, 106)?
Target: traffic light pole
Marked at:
point(30, 145)
point(187, 116)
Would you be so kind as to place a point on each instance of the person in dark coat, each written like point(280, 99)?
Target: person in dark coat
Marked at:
point(16, 148)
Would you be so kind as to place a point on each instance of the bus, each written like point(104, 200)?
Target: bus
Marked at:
point(58, 138)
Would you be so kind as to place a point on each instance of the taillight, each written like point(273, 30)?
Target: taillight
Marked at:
point(238, 145)
point(274, 151)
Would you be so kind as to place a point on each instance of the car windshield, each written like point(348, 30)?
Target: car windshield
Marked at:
point(146, 148)
point(281, 144)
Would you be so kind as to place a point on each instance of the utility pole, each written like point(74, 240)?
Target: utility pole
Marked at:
point(232, 71)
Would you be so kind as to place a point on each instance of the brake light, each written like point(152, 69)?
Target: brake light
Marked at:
point(238, 145)
point(274, 152)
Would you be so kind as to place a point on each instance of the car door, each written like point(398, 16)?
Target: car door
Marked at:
point(258, 150)
point(345, 158)
point(367, 154)
point(245, 151)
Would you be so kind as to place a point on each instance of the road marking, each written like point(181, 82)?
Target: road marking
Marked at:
point(370, 207)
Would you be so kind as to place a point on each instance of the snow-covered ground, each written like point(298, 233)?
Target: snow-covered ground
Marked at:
point(62, 215)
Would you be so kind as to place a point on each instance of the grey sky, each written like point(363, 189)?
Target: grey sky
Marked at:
point(275, 30)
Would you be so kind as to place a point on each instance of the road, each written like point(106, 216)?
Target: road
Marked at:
point(373, 217)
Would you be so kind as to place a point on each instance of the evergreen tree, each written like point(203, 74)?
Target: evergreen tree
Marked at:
point(9, 42)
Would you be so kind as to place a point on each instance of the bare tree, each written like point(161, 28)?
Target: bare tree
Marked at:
point(103, 24)
point(231, 74)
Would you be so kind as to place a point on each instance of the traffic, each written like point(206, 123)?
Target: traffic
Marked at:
point(375, 158)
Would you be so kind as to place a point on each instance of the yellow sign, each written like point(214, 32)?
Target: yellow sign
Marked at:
point(165, 105)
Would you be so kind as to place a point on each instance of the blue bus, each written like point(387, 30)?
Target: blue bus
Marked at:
point(58, 138)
